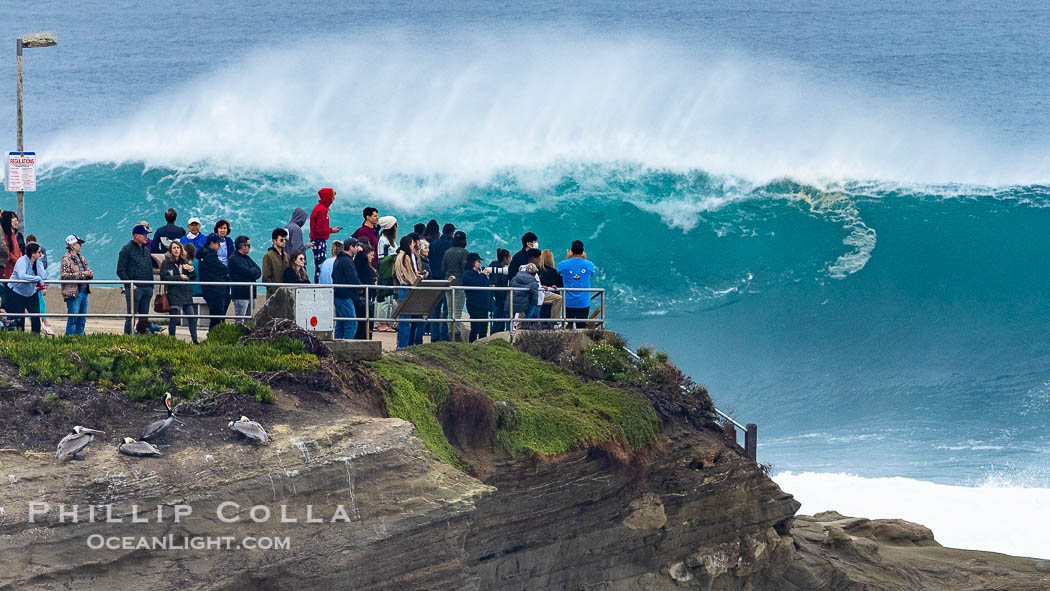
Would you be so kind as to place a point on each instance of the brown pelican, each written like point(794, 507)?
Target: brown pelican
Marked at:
point(157, 427)
point(249, 429)
point(73, 443)
point(139, 449)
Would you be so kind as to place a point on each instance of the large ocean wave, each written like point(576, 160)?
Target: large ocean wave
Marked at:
point(412, 122)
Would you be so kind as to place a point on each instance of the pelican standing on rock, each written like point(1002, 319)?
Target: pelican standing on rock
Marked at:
point(138, 449)
point(249, 429)
point(76, 441)
point(157, 427)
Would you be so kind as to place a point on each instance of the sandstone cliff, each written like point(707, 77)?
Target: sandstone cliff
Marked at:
point(688, 511)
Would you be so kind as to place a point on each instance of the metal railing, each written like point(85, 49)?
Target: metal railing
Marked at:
point(596, 319)
point(750, 430)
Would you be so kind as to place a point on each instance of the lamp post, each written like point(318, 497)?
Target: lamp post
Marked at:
point(34, 40)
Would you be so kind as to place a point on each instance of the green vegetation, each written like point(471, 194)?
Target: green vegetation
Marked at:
point(554, 411)
point(144, 367)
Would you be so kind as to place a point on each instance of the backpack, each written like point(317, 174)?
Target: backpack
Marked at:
point(386, 275)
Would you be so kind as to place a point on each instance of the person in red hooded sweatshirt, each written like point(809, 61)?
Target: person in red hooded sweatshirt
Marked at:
point(320, 228)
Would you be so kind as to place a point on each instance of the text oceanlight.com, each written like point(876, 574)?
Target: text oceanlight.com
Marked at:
point(172, 542)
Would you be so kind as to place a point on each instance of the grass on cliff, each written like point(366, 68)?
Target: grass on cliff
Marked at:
point(552, 411)
point(146, 366)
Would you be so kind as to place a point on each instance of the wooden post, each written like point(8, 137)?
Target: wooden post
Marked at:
point(730, 432)
point(751, 441)
point(18, 110)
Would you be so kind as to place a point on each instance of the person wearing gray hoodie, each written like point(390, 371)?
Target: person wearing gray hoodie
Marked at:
point(295, 231)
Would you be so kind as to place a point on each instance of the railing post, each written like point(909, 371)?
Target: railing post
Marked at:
point(751, 442)
point(510, 311)
point(368, 315)
point(730, 432)
point(131, 307)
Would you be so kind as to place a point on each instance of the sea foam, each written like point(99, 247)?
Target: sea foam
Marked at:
point(382, 111)
point(995, 516)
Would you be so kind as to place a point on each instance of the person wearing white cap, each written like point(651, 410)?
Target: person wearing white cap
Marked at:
point(387, 247)
point(75, 267)
point(193, 235)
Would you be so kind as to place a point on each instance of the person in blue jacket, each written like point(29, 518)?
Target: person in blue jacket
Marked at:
point(576, 271)
point(22, 296)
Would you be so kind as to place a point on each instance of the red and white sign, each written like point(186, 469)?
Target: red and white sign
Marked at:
point(20, 172)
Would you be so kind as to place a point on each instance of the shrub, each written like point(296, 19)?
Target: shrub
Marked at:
point(144, 367)
point(612, 363)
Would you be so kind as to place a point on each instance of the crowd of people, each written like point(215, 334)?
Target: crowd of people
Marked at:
point(373, 254)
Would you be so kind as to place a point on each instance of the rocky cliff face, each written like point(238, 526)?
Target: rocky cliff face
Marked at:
point(696, 515)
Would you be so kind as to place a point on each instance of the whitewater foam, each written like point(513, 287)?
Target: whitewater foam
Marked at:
point(997, 515)
point(382, 111)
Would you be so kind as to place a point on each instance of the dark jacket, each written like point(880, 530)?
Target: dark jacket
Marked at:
point(290, 276)
point(520, 258)
point(274, 264)
point(169, 233)
point(178, 295)
point(549, 277)
point(499, 277)
point(242, 269)
point(295, 231)
point(135, 263)
point(438, 248)
point(525, 300)
point(345, 272)
point(212, 269)
point(477, 298)
point(452, 265)
point(365, 272)
point(372, 237)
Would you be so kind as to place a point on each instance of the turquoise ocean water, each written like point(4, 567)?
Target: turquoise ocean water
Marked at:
point(834, 216)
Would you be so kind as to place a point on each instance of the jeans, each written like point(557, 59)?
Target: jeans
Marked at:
point(77, 305)
point(439, 330)
point(581, 313)
point(20, 304)
point(408, 333)
point(362, 327)
point(478, 329)
point(188, 310)
point(455, 299)
point(345, 329)
point(142, 298)
point(216, 306)
point(240, 308)
point(499, 310)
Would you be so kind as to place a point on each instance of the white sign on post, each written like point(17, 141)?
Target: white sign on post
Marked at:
point(314, 309)
point(20, 172)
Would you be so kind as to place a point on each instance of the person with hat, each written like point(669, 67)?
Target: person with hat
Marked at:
point(321, 229)
point(193, 235)
point(386, 250)
point(74, 267)
point(167, 233)
point(347, 299)
point(215, 278)
point(134, 263)
point(242, 270)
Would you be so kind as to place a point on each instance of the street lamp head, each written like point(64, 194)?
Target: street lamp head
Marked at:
point(39, 40)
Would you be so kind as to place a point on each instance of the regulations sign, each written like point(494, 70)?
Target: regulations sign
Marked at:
point(20, 172)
